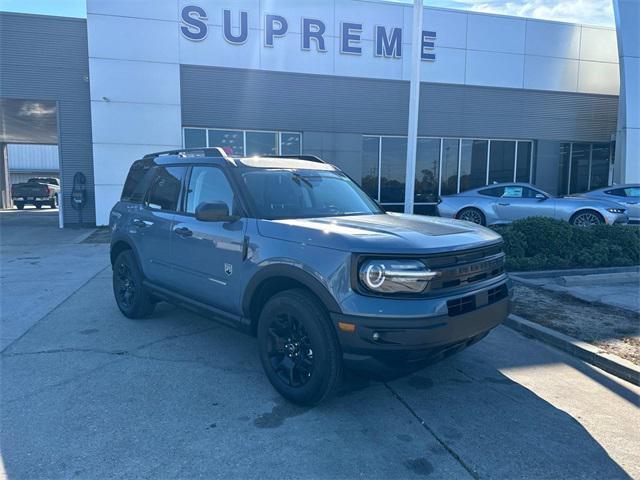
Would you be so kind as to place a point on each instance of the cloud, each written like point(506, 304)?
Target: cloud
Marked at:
point(592, 12)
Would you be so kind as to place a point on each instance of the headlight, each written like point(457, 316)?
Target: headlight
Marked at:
point(395, 276)
point(616, 210)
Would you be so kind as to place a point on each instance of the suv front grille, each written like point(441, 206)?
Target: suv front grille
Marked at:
point(465, 268)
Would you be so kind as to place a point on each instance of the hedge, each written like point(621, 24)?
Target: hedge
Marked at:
point(539, 243)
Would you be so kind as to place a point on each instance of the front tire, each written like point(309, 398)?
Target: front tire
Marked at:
point(38, 205)
point(299, 349)
point(131, 296)
point(20, 205)
point(586, 218)
point(472, 215)
point(54, 202)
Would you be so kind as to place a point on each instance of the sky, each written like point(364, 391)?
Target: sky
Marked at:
point(592, 12)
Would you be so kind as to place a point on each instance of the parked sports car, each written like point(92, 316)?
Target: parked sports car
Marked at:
point(628, 196)
point(506, 202)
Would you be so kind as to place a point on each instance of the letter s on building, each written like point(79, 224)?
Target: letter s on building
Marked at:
point(193, 27)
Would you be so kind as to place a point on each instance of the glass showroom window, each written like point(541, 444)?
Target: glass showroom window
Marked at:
point(523, 161)
point(599, 170)
point(393, 161)
point(473, 164)
point(245, 142)
point(579, 169)
point(427, 170)
point(449, 176)
point(231, 140)
point(369, 177)
point(502, 156)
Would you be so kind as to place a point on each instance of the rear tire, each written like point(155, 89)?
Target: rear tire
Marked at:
point(20, 205)
point(586, 218)
point(131, 296)
point(473, 215)
point(299, 349)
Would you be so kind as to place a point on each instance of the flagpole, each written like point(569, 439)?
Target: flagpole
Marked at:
point(414, 105)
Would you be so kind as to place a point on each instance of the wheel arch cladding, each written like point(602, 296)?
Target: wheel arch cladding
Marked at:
point(117, 248)
point(278, 278)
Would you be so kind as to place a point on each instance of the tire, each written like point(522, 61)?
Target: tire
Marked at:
point(473, 215)
point(20, 205)
point(586, 218)
point(299, 349)
point(54, 202)
point(131, 296)
point(38, 205)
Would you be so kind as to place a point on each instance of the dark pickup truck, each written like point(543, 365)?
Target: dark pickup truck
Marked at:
point(36, 191)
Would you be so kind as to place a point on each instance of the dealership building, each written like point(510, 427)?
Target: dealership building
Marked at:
point(502, 98)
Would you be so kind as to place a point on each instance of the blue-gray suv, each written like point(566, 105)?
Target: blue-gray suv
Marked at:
point(291, 250)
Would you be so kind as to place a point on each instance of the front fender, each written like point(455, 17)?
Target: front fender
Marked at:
point(311, 280)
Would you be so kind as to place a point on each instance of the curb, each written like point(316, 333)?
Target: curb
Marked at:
point(608, 362)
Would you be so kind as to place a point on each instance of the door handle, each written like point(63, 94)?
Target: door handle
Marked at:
point(504, 204)
point(137, 222)
point(183, 231)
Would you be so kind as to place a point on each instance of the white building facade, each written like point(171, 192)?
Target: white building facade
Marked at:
point(503, 98)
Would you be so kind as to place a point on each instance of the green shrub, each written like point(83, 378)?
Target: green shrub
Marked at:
point(538, 243)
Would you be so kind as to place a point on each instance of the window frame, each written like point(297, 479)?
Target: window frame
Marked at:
point(460, 141)
point(277, 133)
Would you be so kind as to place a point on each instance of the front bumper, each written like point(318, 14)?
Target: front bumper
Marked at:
point(616, 218)
point(401, 343)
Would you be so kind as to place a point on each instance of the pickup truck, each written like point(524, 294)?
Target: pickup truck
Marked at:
point(36, 191)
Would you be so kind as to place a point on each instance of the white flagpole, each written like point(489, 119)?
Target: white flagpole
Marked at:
point(414, 105)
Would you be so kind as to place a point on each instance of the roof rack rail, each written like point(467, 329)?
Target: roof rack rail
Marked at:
point(309, 158)
point(215, 152)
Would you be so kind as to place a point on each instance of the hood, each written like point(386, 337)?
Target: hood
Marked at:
point(383, 233)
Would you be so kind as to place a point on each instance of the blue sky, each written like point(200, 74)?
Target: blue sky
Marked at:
point(594, 12)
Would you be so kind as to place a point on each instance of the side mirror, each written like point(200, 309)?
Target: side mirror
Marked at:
point(540, 196)
point(213, 212)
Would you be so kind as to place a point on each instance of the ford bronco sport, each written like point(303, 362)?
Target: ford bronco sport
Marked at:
point(291, 250)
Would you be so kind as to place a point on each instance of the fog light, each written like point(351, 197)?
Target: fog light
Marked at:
point(375, 336)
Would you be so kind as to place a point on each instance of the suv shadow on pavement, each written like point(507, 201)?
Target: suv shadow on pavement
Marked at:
point(87, 393)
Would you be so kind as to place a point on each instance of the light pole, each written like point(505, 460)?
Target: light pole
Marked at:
point(414, 105)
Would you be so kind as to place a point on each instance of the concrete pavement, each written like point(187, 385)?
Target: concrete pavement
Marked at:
point(87, 393)
point(40, 266)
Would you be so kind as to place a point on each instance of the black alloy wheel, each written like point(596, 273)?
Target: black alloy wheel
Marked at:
point(290, 350)
point(125, 285)
point(131, 295)
point(299, 347)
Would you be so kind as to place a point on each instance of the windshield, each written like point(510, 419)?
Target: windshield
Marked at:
point(281, 193)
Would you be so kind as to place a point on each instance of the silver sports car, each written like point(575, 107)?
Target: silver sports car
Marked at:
point(628, 196)
point(506, 202)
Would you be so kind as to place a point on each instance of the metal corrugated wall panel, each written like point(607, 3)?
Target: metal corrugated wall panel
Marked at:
point(233, 98)
point(32, 157)
point(46, 58)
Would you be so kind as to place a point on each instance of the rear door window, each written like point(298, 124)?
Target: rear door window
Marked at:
point(164, 189)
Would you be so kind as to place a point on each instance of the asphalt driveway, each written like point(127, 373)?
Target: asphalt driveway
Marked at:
point(87, 393)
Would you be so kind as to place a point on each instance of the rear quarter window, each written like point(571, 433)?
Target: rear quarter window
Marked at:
point(134, 189)
point(492, 192)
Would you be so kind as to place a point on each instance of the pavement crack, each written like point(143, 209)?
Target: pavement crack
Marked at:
point(109, 352)
point(451, 452)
